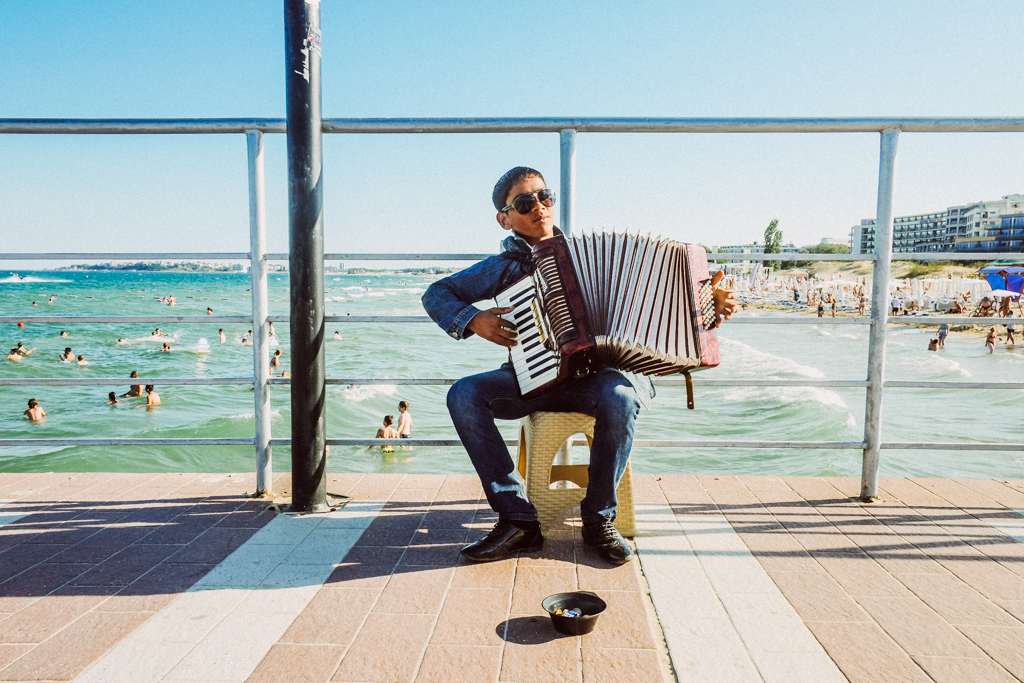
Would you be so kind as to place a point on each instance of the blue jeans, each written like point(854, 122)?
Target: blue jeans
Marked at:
point(476, 401)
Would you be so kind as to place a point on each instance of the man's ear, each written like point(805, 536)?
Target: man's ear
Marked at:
point(503, 220)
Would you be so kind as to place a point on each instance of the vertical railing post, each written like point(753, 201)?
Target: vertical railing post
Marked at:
point(879, 315)
point(258, 275)
point(566, 221)
point(306, 255)
point(567, 184)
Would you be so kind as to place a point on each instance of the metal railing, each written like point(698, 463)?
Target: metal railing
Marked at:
point(567, 129)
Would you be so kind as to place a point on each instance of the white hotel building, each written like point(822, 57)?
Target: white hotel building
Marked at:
point(941, 231)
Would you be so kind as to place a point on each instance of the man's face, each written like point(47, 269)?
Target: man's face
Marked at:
point(534, 226)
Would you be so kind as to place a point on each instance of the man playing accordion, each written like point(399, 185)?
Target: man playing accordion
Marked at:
point(613, 398)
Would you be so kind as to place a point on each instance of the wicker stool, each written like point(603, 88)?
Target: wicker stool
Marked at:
point(541, 436)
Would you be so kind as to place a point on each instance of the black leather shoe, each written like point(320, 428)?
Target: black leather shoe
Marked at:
point(504, 539)
point(607, 542)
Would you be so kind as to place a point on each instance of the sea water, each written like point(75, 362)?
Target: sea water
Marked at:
point(421, 350)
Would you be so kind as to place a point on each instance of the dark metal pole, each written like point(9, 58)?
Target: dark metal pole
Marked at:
point(306, 260)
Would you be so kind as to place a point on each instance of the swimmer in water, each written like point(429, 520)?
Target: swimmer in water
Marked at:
point(51, 299)
point(152, 398)
point(64, 333)
point(67, 356)
point(35, 411)
point(14, 356)
point(166, 348)
point(135, 389)
point(337, 335)
point(388, 432)
point(275, 362)
point(112, 398)
point(22, 350)
point(156, 333)
point(120, 340)
point(209, 311)
point(222, 337)
point(271, 331)
point(82, 360)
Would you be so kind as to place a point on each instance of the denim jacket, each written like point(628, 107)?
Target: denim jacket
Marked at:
point(449, 301)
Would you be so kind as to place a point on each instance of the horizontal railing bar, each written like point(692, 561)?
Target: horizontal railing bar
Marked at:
point(929, 384)
point(142, 126)
point(128, 441)
point(767, 320)
point(524, 125)
point(712, 256)
point(109, 381)
point(952, 446)
point(448, 381)
point(393, 257)
point(898, 256)
point(759, 320)
point(638, 443)
point(674, 125)
point(70, 319)
point(405, 256)
point(121, 256)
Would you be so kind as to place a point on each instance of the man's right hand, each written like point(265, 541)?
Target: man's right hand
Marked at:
point(493, 328)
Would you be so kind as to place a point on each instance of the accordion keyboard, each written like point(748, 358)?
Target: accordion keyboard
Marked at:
point(534, 363)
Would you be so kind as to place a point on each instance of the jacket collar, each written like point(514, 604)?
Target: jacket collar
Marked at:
point(515, 243)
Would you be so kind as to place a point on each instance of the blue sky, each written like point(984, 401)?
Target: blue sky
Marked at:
point(184, 59)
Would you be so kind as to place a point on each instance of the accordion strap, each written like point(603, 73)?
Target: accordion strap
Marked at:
point(689, 390)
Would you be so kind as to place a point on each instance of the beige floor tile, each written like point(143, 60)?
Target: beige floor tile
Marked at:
point(333, 616)
point(860, 575)
point(534, 583)
point(368, 660)
point(990, 578)
point(625, 624)
point(963, 670)
point(862, 651)
point(298, 664)
point(415, 590)
point(816, 596)
point(68, 653)
point(1005, 645)
point(459, 664)
point(485, 574)
point(614, 665)
point(472, 616)
point(535, 653)
point(955, 601)
point(917, 628)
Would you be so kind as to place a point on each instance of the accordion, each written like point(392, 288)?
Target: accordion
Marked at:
point(637, 303)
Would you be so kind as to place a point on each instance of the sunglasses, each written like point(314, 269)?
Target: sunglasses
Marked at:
point(524, 203)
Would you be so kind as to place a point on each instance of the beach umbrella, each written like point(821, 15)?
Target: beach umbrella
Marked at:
point(1001, 276)
point(1003, 292)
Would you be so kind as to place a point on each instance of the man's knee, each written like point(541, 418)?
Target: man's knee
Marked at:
point(462, 395)
point(619, 398)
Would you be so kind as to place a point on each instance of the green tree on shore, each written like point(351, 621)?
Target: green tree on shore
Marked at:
point(773, 243)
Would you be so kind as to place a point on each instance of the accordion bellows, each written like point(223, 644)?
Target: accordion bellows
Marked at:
point(634, 302)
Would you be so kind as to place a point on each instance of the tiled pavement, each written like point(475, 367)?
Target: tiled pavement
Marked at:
point(180, 577)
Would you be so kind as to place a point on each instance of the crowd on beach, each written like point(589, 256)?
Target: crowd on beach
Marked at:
point(833, 296)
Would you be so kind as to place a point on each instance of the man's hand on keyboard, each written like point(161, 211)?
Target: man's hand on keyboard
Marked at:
point(493, 328)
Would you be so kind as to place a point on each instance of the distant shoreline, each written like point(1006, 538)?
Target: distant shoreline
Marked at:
point(226, 268)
